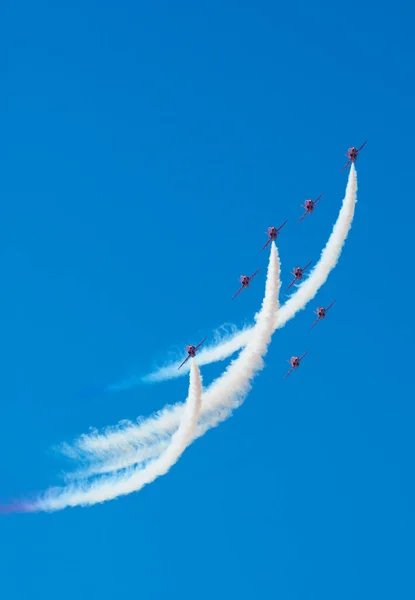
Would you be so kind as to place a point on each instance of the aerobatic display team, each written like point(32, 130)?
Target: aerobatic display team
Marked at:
point(124, 458)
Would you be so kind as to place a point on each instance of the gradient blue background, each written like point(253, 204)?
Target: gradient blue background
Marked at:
point(145, 148)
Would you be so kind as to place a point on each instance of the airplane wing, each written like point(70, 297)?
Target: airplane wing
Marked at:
point(315, 322)
point(281, 226)
point(292, 283)
point(346, 165)
point(198, 346)
point(268, 242)
point(238, 292)
point(315, 201)
point(304, 215)
point(330, 305)
point(358, 150)
point(185, 361)
point(306, 267)
point(289, 372)
point(252, 276)
point(301, 357)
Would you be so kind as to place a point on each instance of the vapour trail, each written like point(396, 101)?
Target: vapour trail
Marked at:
point(142, 440)
point(222, 397)
point(131, 480)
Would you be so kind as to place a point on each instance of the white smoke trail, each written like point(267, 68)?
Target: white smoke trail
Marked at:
point(110, 487)
point(221, 344)
point(210, 354)
point(117, 447)
point(328, 259)
point(222, 397)
point(298, 301)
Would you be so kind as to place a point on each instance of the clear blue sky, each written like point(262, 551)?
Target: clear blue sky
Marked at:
point(145, 148)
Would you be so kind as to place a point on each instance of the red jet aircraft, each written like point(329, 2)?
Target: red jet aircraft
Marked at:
point(321, 313)
point(272, 233)
point(352, 155)
point(309, 207)
point(295, 363)
point(298, 274)
point(191, 352)
point(245, 281)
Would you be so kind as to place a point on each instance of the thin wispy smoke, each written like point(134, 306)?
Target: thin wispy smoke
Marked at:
point(210, 354)
point(16, 507)
point(117, 447)
point(132, 480)
point(221, 343)
point(222, 397)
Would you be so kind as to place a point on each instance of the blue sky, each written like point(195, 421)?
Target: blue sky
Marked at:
point(145, 150)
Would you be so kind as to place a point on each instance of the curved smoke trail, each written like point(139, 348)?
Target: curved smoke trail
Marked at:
point(132, 480)
point(297, 301)
point(135, 442)
point(222, 397)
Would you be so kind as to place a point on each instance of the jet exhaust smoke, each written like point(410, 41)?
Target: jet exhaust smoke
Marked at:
point(131, 443)
point(305, 292)
point(16, 507)
point(139, 443)
point(125, 458)
point(132, 480)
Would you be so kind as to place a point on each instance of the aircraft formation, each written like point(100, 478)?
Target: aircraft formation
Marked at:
point(297, 272)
